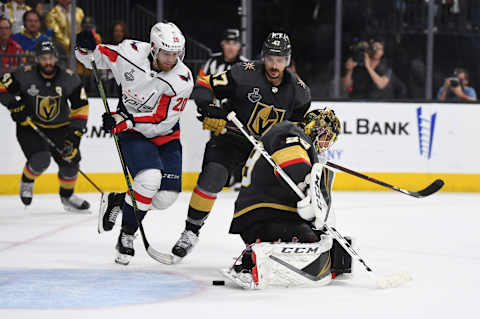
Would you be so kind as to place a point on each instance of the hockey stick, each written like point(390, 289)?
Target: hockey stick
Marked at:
point(391, 281)
point(429, 190)
point(58, 150)
point(163, 258)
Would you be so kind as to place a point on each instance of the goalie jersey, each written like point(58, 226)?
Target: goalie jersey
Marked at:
point(264, 194)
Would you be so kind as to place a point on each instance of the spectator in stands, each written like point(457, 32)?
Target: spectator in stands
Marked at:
point(456, 88)
point(367, 75)
point(14, 11)
point(119, 33)
point(8, 46)
point(58, 19)
point(30, 35)
point(41, 8)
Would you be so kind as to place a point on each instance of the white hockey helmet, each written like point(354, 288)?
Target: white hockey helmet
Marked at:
point(168, 37)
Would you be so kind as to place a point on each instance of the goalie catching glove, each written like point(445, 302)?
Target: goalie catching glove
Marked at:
point(213, 118)
point(117, 122)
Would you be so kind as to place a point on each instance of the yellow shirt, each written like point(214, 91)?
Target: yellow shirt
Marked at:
point(58, 19)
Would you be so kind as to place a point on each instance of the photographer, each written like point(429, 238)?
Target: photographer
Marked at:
point(456, 88)
point(367, 75)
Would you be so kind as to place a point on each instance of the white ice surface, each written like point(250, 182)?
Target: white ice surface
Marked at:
point(434, 239)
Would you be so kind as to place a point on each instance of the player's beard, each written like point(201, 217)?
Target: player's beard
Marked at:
point(274, 74)
point(48, 69)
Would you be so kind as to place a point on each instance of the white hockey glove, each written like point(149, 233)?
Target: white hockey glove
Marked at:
point(319, 206)
point(322, 158)
point(305, 209)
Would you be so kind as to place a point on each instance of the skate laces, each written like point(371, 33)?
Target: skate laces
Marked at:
point(187, 239)
point(76, 200)
point(127, 240)
point(26, 189)
point(112, 217)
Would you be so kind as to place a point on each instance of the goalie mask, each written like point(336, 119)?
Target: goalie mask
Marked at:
point(167, 37)
point(323, 128)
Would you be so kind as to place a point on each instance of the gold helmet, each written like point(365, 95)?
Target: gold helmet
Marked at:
point(323, 128)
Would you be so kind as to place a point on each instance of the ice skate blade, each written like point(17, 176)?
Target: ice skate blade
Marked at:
point(123, 259)
point(77, 211)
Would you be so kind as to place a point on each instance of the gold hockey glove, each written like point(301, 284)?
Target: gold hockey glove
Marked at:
point(217, 126)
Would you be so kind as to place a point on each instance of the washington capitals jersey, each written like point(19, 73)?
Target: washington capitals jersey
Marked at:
point(257, 103)
point(155, 99)
point(264, 194)
point(51, 103)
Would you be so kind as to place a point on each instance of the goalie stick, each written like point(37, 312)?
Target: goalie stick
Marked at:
point(429, 190)
point(390, 281)
point(163, 258)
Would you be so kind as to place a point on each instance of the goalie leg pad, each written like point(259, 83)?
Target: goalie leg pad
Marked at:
point(145, 185)
point(286, 265)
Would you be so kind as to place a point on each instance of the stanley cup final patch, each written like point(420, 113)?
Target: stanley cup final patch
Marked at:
point(129, 75)
point(32, 90)
point(254, 96)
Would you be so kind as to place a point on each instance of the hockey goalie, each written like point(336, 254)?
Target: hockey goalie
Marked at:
point(285, 242)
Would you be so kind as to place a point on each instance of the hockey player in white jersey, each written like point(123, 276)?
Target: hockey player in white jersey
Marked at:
point(156, 86)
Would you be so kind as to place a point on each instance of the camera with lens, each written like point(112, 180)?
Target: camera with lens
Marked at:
point(360, 48)
point(454, 82)
point(358, 51)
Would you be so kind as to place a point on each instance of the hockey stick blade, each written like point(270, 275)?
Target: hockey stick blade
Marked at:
point(430, 189)
point(163, 258)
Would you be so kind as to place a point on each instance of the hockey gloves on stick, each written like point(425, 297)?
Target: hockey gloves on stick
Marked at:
point(86, 41)
point(71, 143)
point(214, 119)
point(117, 122)
point(19, 113)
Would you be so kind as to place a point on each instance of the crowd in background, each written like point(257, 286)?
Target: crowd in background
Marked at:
point(385, 61)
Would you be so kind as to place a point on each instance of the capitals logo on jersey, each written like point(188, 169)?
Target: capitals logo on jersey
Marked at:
point(185, 78)
point(264, 117)
point(48, 107)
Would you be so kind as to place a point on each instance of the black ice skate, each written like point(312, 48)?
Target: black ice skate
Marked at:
point(124, 248)
point(26, 192)
point(75, 204)
point(185, 244)
point(110, 207)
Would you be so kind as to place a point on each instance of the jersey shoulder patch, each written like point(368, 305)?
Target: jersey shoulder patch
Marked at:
point(69, 71)
point(249, 72)
point(297, 140)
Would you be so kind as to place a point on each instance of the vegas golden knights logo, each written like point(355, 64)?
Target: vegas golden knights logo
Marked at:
point(48, 107)
point(264, 117)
